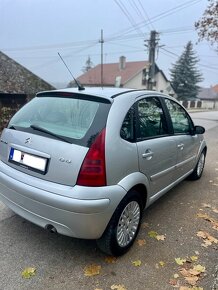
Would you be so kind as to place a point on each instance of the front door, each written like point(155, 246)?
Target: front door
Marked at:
point(186, 142)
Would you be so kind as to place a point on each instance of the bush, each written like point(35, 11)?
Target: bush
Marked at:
point(5, 115)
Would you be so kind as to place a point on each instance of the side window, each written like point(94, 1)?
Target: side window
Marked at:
point(180, 119)
point(151, 118)
point(127, 131)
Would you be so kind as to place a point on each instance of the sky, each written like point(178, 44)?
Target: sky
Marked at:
point(32, 32)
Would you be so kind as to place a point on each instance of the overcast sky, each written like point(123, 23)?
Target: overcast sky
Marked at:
point(33, 31)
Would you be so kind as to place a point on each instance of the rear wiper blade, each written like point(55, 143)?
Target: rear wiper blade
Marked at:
point(38, 128)
point(12, 127)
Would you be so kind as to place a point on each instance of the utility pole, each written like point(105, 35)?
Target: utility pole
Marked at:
point(152, 44)
point(102, 42)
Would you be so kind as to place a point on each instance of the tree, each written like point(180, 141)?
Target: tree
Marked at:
point(207, 25)
point(184, 74)
point(88, 65)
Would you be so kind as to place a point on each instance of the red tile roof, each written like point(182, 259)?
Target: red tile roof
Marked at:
point(215, 88)
point(111, 71)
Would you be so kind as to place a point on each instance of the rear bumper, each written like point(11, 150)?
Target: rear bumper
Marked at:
point(77, 216)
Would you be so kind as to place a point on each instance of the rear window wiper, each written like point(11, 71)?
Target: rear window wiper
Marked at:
point(38, 128)
point(12, 127)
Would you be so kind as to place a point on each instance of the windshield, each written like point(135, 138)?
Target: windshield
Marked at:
point(67, 117)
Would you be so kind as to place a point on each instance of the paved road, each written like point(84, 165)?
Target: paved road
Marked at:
point(60, 260)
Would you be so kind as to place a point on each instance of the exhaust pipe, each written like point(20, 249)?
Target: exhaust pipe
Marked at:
point(51, 229)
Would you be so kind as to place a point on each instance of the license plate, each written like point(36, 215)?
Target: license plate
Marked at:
point(27, 160)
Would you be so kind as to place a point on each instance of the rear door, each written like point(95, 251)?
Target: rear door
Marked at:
point(156, 147)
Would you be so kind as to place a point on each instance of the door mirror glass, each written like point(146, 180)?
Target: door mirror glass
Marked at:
point(199, 130)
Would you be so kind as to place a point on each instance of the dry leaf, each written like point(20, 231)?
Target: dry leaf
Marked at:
point(185, 272)
point(141, 242)
point(152, 234)
point(215, 210)
point(194, 258)
point(92, 270)
point(118, 287)
point(145, 225)
point(180, 261)
point(137, 263)
point(199, 268)
point(175, 276)
point(161, 263)
point(28, 272)
point(184, 288)
point(192, 280)
point(160, 237)
point(202, 215)
point(110, 260)
point(173, 282)
point(206, 205)
point(207, 238)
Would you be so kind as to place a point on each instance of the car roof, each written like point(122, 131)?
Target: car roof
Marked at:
point(105, 92)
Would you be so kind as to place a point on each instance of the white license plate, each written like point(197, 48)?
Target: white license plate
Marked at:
point(28, 160)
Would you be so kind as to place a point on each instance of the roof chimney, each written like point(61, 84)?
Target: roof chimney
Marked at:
point(122, 63)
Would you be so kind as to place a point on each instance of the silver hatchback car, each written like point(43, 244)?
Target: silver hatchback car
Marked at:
point(85, 163)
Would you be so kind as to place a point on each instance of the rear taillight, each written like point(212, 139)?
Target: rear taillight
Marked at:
point(92, 171)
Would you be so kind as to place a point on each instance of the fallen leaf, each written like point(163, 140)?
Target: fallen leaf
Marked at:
point(180, 261)
point(152, 234)
point(202, 215)
point(141, 242)
point(206, 205)
point(161, 263)
point(196, 252)
point(185, 273)
point(199, 268)
point(28, 272)
point(192, 280)
point(207, 238)
point(92, 270)
point(145, 225)
point(118, 287)
point(194, 258)
point(110, 260)
point(215, 210)
point(137, 263)
point(176, 276)
point(184, 288)
point(197, 288)
point(173, 282)
point(160, 237)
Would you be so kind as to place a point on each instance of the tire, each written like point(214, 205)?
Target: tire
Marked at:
point(199, 168)
point(123, 227)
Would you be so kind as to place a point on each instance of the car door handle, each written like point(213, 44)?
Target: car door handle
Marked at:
point(180, 146)
point(148, 154)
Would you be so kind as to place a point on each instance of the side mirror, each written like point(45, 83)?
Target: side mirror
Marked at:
point(198, 130)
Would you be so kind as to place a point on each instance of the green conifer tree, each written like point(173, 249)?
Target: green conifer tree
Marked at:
point(185, 75)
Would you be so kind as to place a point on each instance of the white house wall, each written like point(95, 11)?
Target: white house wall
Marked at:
point(135, 82)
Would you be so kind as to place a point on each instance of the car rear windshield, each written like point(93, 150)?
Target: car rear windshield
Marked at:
point(77, 120)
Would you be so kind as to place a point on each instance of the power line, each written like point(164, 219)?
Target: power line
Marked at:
point(128, 15)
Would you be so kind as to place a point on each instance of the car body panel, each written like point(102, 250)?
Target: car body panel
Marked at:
point(54, 198)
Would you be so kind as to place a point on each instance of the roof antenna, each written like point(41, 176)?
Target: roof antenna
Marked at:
point(80, 87)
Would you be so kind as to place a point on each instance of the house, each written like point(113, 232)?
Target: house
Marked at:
point(125, 74)
point(209, 97)
point(18, 83)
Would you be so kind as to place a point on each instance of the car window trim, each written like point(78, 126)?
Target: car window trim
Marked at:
point(140, 139)
point(191, 123)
